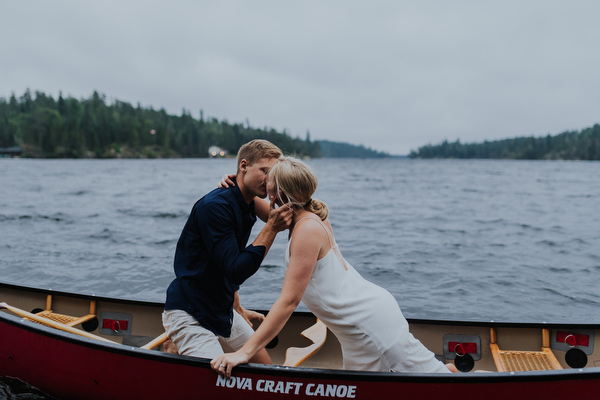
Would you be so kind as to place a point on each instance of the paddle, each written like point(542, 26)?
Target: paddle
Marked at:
point(51, 323)
point(156, 342)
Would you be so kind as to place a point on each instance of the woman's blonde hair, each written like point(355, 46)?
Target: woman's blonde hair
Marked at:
point(298, 183)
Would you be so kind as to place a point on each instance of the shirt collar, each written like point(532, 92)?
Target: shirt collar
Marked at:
point(248, 208)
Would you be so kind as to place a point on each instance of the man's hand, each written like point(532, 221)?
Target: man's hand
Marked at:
point(250, 315)
point(246, 314)
point(280, 218)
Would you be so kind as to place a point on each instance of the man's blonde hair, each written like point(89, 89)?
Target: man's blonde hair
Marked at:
point(256, 150)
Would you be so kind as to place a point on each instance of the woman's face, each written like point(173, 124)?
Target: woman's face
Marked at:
point(272, 190)
point(280, 198)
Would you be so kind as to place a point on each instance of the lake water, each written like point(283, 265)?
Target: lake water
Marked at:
point(452, 239)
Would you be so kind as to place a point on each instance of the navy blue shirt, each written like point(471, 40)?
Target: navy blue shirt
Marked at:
point(212, 260)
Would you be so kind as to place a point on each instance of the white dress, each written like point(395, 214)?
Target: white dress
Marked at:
point(365, 318)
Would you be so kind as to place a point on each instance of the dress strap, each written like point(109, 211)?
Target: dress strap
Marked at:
point(332, 243)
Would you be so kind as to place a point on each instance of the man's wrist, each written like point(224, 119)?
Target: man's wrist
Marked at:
point(270, 228)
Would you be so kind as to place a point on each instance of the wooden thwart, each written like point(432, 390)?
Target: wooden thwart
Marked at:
point(294, 356)
point(156, 342)
point(513, 360)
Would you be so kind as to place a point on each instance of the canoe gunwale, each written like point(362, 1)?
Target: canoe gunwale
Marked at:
point(420, 321)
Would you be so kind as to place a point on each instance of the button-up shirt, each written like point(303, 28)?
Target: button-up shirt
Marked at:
point(212, 260)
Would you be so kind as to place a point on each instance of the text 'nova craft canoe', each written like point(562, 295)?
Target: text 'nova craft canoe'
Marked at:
point(74, 346)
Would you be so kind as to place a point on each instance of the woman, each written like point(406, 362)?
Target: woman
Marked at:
point(364, 317)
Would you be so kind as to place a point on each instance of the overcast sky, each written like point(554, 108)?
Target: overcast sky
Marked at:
point(390, 75)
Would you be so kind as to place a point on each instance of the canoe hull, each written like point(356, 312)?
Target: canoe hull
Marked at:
point(73, 367)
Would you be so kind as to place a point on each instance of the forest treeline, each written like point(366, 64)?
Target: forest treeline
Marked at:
point(569, 145)
point(91, 128)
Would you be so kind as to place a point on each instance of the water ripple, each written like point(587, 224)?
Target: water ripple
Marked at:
point(459, 239)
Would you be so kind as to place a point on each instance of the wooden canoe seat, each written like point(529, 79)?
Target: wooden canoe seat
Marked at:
point(66, 319)
point(294, 356)
point(513, 360)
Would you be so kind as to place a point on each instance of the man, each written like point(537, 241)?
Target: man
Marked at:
point(203, 315)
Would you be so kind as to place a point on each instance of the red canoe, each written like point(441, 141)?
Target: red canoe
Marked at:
point(71, 366)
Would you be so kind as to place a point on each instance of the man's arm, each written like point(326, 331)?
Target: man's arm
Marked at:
point(217, 231)
point(261, 207)
point(279, 219)
point(248, 315)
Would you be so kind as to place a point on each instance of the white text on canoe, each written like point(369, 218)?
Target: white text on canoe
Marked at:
point(291, 388)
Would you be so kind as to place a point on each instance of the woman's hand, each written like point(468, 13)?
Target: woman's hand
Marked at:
point(227, 180)
point(224, 363)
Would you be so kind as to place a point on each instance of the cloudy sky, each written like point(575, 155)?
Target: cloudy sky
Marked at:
point(391, 75)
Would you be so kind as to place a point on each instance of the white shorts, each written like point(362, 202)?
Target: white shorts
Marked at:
point(191, 339)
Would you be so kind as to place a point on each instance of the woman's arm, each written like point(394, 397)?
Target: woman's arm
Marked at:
point(304, 251)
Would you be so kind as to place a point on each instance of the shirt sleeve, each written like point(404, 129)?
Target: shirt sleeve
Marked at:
point(216, 223)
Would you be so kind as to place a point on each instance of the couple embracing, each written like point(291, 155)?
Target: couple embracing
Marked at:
point(203, 314)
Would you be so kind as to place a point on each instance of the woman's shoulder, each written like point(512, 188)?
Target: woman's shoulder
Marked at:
point(311, 226)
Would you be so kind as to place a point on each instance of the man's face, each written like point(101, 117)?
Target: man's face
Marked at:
point(256, 175)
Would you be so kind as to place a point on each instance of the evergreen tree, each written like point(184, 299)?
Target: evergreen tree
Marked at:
point(569, 145)
point(70, 127)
